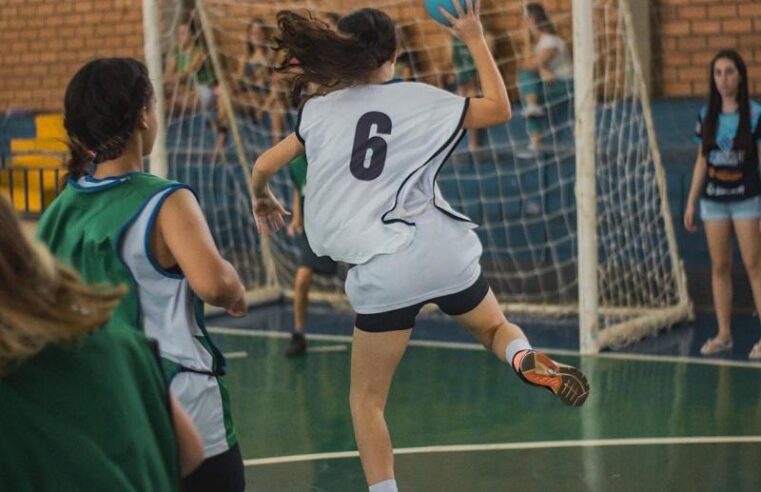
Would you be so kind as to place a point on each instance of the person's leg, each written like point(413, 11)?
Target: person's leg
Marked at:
point(506, 340)
point(530, 87)
point(719, 236)
point(374, 358)
point(558, 97)
point(749, 239)
point(301, 286)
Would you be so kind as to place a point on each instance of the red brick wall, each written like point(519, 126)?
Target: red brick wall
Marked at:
point(692, 31)
point(45, 41)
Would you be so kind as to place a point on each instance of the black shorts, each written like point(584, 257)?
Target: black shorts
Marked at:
point(322, 265)
point(404, 318)
point(222, 473)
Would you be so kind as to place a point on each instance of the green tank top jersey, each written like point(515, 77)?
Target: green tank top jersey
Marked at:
point(87, 226)
point(205, 73)
point(83, 228)
point(91, 416)
point(298, 172)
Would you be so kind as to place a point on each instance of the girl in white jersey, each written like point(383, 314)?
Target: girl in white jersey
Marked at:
point(374, 148)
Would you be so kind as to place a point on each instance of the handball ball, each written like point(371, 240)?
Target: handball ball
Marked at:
point(432, 6)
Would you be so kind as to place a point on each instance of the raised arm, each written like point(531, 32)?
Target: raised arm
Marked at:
point(494, 106)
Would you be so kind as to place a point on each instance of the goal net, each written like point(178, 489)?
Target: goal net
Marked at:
point(224, 106)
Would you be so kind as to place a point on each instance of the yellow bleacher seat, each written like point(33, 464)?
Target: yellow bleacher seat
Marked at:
point(50, 126)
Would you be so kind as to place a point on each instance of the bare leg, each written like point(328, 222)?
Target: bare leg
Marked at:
point(374, 358)
point(719, 235)
point(301, 288)
point(749, 238)
point(489, 325)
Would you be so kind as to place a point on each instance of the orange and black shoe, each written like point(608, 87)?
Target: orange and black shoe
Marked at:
point(566, 382)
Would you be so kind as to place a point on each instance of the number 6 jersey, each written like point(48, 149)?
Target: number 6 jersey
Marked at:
point(374, 152)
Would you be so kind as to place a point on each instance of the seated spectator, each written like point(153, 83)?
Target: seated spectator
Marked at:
point(546, 78)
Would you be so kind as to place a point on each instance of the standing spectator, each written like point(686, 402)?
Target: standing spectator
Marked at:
point(255, 72)
point(726, 178)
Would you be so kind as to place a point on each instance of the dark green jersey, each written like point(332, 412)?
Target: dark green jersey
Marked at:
point(92, 416)
point(298, 172)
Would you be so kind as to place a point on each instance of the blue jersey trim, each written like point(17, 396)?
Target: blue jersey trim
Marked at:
point(149, 229)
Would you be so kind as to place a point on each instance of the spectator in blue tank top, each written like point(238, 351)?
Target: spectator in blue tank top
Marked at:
point(726, 179)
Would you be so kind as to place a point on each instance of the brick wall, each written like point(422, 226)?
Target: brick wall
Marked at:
point(45, 41)
point(692, 31)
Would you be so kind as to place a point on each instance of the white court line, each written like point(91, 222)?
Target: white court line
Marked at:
point(328, 348)
point(236, 355)
point(509, 446)
point(475, 346)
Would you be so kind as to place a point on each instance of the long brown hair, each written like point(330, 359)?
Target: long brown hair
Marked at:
point(42, 302)
point(366, 39)
point(541, 19)
point(743, 137)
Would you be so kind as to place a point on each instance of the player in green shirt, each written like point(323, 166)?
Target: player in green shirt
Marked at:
point(84, 405)
point(309, 263)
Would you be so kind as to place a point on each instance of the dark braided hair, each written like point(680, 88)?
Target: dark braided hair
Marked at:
point(366, 39)
point(102, 109)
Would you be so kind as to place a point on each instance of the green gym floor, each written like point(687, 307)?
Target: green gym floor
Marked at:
point(462, 422)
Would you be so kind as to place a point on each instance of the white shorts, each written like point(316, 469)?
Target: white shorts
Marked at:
point(442, 259)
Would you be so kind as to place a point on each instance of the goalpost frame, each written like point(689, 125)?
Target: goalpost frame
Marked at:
point(586, 194)
point(152, 46)
point(643, 321)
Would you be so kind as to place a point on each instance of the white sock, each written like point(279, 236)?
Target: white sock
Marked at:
point(514, 347)
point(384, 486)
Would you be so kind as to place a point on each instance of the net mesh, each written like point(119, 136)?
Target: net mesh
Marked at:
point(516, 180)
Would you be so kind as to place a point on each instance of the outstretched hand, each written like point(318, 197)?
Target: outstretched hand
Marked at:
point(467, 24)
point(268, 214)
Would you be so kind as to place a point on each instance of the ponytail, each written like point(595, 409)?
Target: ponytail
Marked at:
point(365, 41)
point(79, 161)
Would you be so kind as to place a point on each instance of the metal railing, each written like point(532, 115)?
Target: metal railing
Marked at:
point(30, 189)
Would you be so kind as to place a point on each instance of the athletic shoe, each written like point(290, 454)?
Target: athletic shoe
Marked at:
point(565, 382)
point(298, 345)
